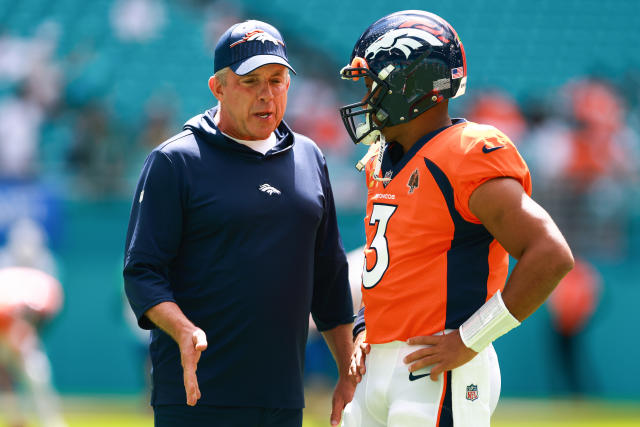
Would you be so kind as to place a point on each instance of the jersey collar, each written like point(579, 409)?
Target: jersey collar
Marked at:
point(387, 165)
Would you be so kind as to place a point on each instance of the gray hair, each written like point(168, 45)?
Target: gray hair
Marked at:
point(221, 75)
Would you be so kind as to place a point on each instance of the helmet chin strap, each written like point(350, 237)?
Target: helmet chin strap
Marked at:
point(382, 144)
point(373, 146)
point(376, 148)
point(375, 139)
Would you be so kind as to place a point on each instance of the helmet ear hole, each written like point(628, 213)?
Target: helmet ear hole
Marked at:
point(382, 115)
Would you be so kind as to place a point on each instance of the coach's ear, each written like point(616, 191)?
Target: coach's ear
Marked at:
point(216, 87)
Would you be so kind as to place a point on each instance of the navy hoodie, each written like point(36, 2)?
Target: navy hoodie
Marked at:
point(247, 245)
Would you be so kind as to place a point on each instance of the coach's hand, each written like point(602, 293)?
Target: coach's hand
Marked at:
point(342, 395)
point(191, 346)
point(447, 352)
point(360, 351)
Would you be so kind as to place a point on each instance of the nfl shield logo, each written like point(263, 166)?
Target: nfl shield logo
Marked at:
point(387, 175)
point(472, 392)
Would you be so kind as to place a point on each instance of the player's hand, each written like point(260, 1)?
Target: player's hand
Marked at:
point(342, 395)
point(360, 351)
point(190, 349)
point(446, 352)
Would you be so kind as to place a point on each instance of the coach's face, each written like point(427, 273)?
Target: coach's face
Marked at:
point(252, 106)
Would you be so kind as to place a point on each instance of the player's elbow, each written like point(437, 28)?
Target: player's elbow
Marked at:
point(559, 259)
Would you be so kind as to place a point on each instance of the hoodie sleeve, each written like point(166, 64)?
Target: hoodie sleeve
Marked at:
point(331, 305)
point(153, 236)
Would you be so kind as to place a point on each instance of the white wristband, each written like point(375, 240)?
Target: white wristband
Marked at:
point(487, 324)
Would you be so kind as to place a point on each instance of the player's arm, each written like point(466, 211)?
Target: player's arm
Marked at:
point(191, 340)
point(529, 234)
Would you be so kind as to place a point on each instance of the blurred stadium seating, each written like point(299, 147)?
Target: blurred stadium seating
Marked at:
point(91, 143)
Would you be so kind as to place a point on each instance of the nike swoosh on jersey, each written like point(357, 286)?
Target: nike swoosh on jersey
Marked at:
point(486, 149)
point(417, 377)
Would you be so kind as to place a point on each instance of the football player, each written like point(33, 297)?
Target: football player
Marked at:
point(28, 299)
point(448, 201)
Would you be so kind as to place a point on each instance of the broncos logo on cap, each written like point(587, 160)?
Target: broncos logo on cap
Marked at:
point(405, 40)
point(258, 35)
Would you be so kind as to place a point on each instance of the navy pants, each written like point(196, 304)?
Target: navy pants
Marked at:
point(224, 416)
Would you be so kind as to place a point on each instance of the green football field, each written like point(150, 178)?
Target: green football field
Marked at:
point(132, 412)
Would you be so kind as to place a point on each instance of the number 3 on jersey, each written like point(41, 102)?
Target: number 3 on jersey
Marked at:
point(380, 214)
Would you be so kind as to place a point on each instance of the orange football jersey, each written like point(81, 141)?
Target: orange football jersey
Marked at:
point(430, 263)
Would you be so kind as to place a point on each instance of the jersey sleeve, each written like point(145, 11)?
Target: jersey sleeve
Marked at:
point(490, 156)
point(153, 237)
point(331, 304)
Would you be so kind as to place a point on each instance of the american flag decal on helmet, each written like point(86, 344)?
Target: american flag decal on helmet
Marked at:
point(457, 73)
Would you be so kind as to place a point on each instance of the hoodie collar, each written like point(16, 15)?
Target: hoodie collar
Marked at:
point(204, 127)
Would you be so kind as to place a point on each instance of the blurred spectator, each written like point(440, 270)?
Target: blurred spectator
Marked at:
point(602, 168)
point(158, 121)
point(30, 296)
point(313, 109)
point(31, 62)
point(14, 60)
point(157, 126)
point(20, 122)
point(498, 109)
point(44, 79)
point(29, 66)
point(546, 145)
point(137, 20)
point(585, 165)
point(600, 149)
point(97, 155)
point(572, 305)
point(27, 247)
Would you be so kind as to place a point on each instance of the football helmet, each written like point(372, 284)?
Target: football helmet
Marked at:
point(414, 60)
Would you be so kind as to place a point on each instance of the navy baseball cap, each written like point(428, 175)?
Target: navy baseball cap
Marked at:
point(249, 45)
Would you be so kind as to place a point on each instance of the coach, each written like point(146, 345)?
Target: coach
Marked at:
point(232, 241)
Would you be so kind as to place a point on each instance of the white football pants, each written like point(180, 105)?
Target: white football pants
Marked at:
point(386, 396)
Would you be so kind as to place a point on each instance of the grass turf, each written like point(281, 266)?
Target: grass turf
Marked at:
point(131, 412)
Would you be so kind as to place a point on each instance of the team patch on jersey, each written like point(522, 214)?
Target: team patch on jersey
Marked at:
point(414, 181)
point(472, 392)
point(270, 190)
